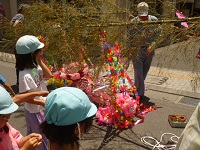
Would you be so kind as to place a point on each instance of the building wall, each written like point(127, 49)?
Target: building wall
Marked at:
point(197, 4)
point(10, 7)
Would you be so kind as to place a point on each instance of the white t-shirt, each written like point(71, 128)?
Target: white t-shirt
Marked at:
point(32, 80)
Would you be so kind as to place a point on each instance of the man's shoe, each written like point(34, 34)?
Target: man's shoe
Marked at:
point(144, 99)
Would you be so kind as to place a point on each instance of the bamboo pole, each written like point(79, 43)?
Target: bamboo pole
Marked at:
point(141, 22)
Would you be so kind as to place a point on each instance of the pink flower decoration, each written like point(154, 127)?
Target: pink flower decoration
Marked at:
point(104, 115)
point(129, 108)
point(198, 54)
point(127, 104)
point(57, 74)
point(181, 16)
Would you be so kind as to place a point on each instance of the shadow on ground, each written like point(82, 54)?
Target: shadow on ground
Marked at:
point(103, 137)
point(111, 134)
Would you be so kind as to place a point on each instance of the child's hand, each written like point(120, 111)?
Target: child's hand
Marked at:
point(37, 55)
point(34, 140)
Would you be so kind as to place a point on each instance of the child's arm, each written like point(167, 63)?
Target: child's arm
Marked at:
point(16, 23)
point(9, 88)
point(30, 142)
point(29, 97)
point(37, 102)
point(45, 69)
point(6, 85)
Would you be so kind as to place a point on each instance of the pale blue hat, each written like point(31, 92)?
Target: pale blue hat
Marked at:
point(28, 44)
point(7, 106)
point(68, 105)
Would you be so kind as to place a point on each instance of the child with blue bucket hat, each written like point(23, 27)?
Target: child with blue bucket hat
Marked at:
point(32, 74)
point(68, 112)
point(10, 138)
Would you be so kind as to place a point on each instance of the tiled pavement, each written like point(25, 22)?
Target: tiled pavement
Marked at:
point(173, 81)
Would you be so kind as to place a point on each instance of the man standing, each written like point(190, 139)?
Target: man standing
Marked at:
point(142, 36)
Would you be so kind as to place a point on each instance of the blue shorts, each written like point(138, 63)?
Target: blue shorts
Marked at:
point(2, 80)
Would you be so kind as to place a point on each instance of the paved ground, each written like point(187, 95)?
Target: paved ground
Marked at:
point(172, 81)
point(101, 137)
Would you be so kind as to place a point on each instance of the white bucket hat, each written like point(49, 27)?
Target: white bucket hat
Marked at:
point(68, 105)
point(142, 9)
point(28, 44)
point(7, 106)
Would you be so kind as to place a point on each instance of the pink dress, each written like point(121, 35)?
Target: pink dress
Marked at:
point(10, 141)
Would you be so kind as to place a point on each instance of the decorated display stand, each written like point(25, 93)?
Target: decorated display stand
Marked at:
point(122, 107)
point(115, 94)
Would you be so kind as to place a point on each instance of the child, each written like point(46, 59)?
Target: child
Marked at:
point(31, 78)
point(10, 138)
point(73, 117)
point(6, 85)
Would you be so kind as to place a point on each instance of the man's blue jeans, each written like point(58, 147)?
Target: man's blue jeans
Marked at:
point(141, 68)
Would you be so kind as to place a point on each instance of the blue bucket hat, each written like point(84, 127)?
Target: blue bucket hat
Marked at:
point(7, 106)
point(28, 44)
point(68, 105)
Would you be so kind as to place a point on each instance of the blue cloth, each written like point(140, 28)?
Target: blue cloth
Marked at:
point(2, 80)
point(18, 17)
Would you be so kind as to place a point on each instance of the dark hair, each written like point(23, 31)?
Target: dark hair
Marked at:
point(54, 132)
point(22, 7)
point(5, 129)
point(26, 61)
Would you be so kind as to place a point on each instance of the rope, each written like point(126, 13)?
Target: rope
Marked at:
point(158, 144)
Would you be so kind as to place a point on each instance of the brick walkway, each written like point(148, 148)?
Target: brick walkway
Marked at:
point(172, 81)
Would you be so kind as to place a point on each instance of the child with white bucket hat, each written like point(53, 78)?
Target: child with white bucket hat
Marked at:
point(68, 112)
point(31, 78)
point(10, 138)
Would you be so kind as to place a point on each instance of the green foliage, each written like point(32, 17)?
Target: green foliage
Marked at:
point(70, 26)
